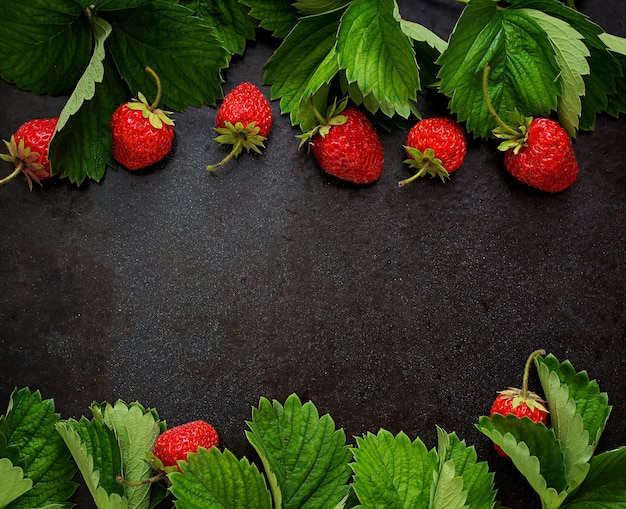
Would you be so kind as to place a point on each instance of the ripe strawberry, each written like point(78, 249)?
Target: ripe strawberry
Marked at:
point(244, 120)
point(436, 147)
point(175, 443)
point(142, 133)
point(545, 158)
point(28, 150)
point(520, 402)
point(346, 145)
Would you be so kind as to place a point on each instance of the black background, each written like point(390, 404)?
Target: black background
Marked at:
point(197, 293)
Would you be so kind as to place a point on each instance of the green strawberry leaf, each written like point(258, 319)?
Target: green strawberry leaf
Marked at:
point(278, 16)
point(305, 458)
point(377, 55)
point(535, 452)
point(164, 35)
point(45, 45)
point(309, 7)
point(97, 454)
point(29, 427)
point(571, 55)
point(392, 471)
point(229, 19)
point(591, 404)
point(617, 101)
point(211, 479)
point(524, 68)
point(448, 493)
point(13, 484)
point(605, 485)
point(136, 430)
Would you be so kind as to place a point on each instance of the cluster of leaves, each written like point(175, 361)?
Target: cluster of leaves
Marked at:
point(545, 56)
point(306, 462)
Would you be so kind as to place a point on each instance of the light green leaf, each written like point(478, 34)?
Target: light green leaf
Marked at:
point(524, 70)
point(95, 451)
point(278, 16)
point(304, 62)
point(28, 428)
point(215, 480)
point(614, 43)
point(45, 45)
point(13, 484)
point(86, 87)
point(571, 55)
point(420, 33)
point(378, 55)
point(304, 456)
point(605, 485)
point(392, 471)
point(448, 493)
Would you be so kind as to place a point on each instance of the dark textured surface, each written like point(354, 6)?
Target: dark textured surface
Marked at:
point(197, 293)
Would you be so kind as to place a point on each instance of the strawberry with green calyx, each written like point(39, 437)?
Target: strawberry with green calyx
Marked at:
point(538, 151)
point(244, 120)
point(346, 145)
point(521, 402)
point(436, 147)
point(28, 150)
point(142, 133)
point(173, 445)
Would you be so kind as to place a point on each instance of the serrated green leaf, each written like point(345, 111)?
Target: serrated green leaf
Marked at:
point(448, 493)
point(215, 480)
point(86, 87)
point(278, 16)
point(44, 45)
point(614, 43)
point(184, 53)
point(605, 485)
point(591, 404)
point(524, 70)
point(420, 33)
point(378, 55)
point(13, 484)
point(304, 456)
point(534, 450)
point(392, 471)
point(303, 63)
point(96, 452)
point(29, 426)
point(571, 55)
point(82, 149)
point(308, 7)
point(229, 19)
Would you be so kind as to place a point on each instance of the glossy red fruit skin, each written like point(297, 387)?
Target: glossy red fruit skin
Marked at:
point(37, 134)
point(175, 443)
point(351, 151)
point(503, 405)
point(246, 104)
point(444, 136)
point(136, 143)
point(547, 161)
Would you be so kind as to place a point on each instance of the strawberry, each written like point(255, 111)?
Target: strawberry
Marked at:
point(142, 133)
point(28, 150)
point(346, 145)
point(244, 120)
point(436, 147)
point(520, 402)
point(173, 445)
point(538, 151)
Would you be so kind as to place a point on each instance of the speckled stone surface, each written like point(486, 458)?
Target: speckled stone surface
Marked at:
point(197, 293)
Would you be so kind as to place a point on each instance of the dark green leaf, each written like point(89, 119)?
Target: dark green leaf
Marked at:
point(308, 7)
point(278, 16)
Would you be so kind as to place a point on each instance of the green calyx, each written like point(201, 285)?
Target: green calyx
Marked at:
point(332, 118)
point(23, 159)
point(240, 137)
point(155, 116)
point(514, 133)
point(530, 399)
point(425, 163)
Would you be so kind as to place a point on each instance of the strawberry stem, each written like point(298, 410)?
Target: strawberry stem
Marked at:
point(317, 114)
point(18, 168)
point(492, 110)
point(529, 361)
point(236, 149)
point(154, 105)
point(150, 480)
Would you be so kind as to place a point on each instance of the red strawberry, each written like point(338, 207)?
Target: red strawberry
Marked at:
point(142, 133)
point(545, 158)
point(436, 147)
point(520, 402)
point(244, 120)
point(28, 150)
point(174, 444)
point(346, 145)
